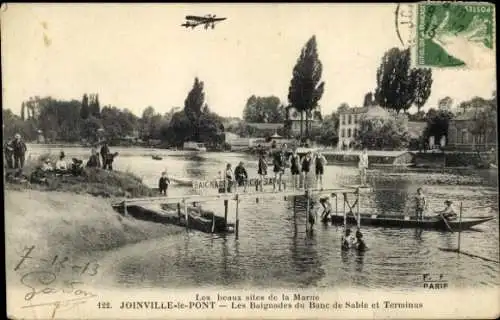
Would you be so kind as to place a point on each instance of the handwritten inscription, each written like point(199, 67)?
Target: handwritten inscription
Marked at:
point(43, 288)
point(58, 263)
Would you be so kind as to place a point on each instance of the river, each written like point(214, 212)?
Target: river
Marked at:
point(273, 249)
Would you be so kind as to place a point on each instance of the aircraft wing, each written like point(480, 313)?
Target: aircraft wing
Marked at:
point(197, 18)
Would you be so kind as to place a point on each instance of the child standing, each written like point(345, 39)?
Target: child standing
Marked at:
point(163, 183)
point(420, 204)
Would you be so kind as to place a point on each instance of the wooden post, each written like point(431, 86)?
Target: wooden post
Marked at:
point(186, 213)
point(294, 206)
point(345, 214)
point(237, 217)
point(225, 211)
point(179, 210)
point(213, 223)
point(459, 226)
point(125, 208)
point(336, 206)
point(307, 211)
point(357, 208)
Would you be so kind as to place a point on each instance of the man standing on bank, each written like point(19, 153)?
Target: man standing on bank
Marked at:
point(363, 165)
point(295, 169)
point(19, 150)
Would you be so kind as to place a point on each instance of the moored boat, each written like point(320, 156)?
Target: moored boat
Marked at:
point(201, 220)
point(155, 157)
point(399, 221)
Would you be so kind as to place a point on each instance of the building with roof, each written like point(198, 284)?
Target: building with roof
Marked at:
point(461, 134)
point(349, 123)
point(293, 120)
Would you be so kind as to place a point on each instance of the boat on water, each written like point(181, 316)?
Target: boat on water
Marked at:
point(434, 222)
point(155, 157)
point(194, 146)
point(198, 219)
point(182, 181)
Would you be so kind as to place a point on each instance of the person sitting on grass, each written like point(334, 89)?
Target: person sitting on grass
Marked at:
point(61, 165)
point(93, 161)
point(76, 167)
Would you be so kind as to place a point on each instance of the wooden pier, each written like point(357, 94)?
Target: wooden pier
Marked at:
point(342, 192)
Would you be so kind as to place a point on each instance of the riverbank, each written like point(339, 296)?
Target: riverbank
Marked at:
point(69, 224)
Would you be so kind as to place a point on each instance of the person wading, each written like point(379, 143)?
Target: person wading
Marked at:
point(19, 150)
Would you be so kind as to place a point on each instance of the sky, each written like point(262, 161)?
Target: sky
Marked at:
point(136, 56)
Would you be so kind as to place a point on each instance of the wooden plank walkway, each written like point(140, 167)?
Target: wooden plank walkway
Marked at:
point(249, 195)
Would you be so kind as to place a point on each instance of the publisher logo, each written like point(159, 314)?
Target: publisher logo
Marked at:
point(434, 281)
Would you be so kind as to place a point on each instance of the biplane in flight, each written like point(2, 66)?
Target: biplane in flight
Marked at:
point(208, 20)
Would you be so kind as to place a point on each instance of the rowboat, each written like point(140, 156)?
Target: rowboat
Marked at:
point(201, 220)
point(182, 181)
point(155, 157)
point(399, 221)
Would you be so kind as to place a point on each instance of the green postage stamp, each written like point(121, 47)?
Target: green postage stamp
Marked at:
point(455, 34)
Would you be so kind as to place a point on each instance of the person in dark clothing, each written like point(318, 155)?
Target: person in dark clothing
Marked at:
point(163, 183)
point(262, 170)
point(108, 161)
point(104, 153)
point(295, 169)
point(93, 161)
point(19, 150)
point(306, 167)
point(9, 154)
point(76, 167)
point(359, 244)
point(279, 167)
point(320, 162)
point(241, 176)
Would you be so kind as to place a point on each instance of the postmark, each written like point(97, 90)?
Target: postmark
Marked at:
point(451, 35)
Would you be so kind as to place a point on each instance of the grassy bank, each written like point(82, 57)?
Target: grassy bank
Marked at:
point(68, 224)
point(93, 181)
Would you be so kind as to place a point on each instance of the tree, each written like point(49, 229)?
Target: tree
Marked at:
point(23, 106)
point(94, 106)
point(305, 87)
point(264, 109)
point(383, 132)
point(84, 111)
point(438, 122)
point(422, 82)
point(445, 103)
point(329, 130)
point(369, 100)
point(398, 87)
point(343, 107)
point(193, 106)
